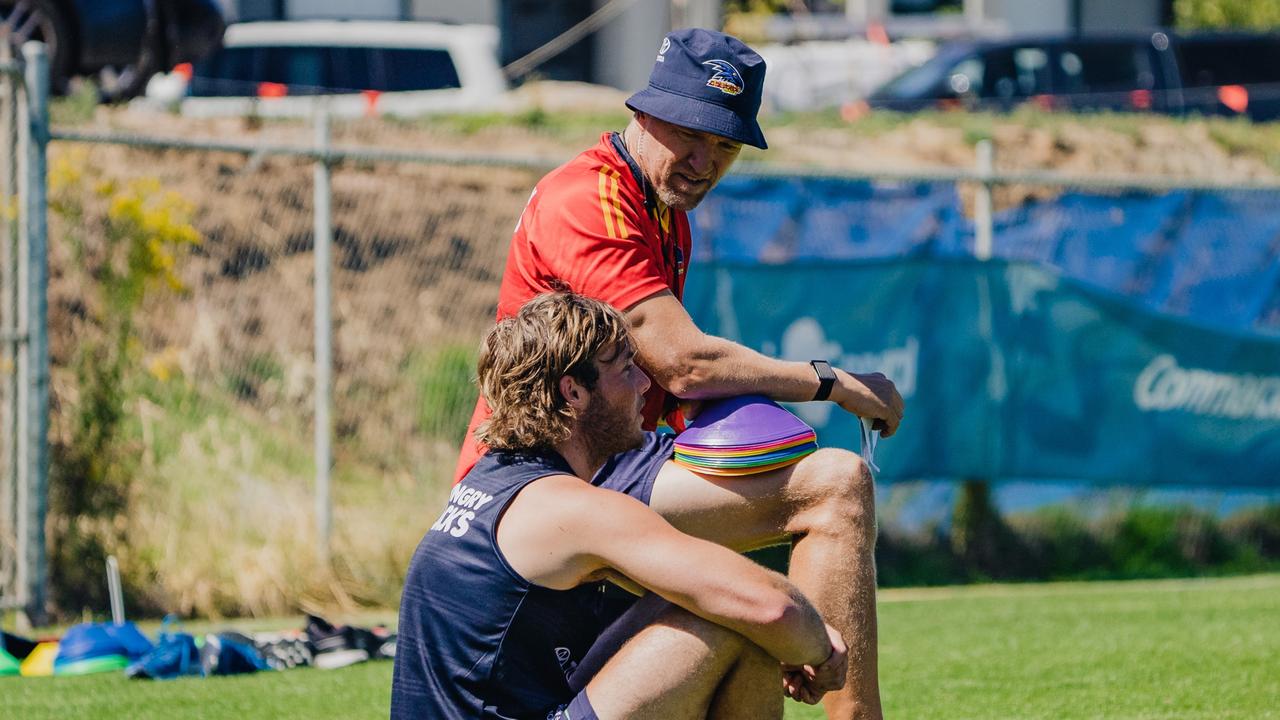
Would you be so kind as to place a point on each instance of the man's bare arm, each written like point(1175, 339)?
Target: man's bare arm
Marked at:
point(694, 365)
point(561, 531)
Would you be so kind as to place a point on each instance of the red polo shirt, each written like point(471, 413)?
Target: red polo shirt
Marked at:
point(587, 226)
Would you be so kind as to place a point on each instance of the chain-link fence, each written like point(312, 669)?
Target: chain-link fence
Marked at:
point(191, 373)
point(216, 358)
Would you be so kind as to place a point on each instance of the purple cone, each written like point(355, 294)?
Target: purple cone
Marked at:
point(741, 421)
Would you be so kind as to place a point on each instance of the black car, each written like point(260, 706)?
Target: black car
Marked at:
point(1208, 74)
point(136, 38)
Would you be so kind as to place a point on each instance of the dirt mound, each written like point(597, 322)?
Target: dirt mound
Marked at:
point(1155, 147)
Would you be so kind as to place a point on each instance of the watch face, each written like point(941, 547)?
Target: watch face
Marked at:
point(823, 369)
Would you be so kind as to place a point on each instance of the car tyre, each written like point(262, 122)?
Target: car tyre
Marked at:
point(131, 81)
point(42, 20)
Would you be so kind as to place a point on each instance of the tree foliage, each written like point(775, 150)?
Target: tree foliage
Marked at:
point(1224, 14)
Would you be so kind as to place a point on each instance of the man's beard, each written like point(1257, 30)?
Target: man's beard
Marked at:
point(607, 431)
point(679, 201)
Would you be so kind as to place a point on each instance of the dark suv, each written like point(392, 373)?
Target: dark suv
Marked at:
point(136, 38)
point(1208, 74)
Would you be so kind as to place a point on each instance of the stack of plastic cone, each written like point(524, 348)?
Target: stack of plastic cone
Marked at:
point(40, 662)
point(743, 436)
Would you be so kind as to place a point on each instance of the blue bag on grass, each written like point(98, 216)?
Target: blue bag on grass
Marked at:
point(230, 653)
point(178, 654)
point(99, 647)
point(175, 655)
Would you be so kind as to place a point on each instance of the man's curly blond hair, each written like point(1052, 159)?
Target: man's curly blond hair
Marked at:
point(523, 357)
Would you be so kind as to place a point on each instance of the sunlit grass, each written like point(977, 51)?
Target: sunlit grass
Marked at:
point(1154, 649)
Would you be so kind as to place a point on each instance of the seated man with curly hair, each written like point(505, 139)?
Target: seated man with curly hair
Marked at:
point(499, 617)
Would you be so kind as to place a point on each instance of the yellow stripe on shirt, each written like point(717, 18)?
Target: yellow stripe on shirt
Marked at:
point(617, 204)
point(604, 202)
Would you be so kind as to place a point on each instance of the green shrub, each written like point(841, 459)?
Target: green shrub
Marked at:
point(1161, 542)
point(912, 559)
point(446, 390)
point(1060, 543)
point(1257, 528)
point(247, 379)
point(1222, 14)
point(124, 241)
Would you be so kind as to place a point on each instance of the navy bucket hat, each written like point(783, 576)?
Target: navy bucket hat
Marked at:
point(708, 81)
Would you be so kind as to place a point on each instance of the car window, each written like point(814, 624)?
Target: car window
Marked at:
point(1229, 62)
point(229, 71)
point(304, 70)
point(926, 81)
point(1016, 73)
point(966, 77)
point(1032, 65)
point(1103, 67)
point(308, 70)
point(241, 70)
point(350, 69)
point(403, 69)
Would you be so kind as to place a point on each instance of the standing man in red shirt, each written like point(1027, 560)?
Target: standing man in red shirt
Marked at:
point(611, 224)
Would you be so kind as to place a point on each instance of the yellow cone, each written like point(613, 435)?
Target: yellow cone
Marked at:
point(40, 662)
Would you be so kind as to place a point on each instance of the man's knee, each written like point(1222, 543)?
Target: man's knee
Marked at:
point(833, 487)
point(721, 640)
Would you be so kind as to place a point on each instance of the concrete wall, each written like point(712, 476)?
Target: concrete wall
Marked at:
point(625, 48)
point(1041, 16)
point(697, 13)
point(484, 12)
point(1101, 15)
point(1053, 16)
point(246, 10)
point(343, 9)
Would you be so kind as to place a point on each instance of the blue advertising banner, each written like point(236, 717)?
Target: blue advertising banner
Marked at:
point(1012, 371)
point(1124, 338)
point(1209, 257)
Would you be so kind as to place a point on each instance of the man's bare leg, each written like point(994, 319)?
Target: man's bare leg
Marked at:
point(833, 562)
point(682, 667)
point(752, 689)
point(827, 503)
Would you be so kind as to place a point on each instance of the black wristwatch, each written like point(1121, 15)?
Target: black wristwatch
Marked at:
point(826, 378)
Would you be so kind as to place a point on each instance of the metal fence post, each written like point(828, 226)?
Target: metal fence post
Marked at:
point(33, 569)
point(982, 229)
point(9, 324)
point(324, 336)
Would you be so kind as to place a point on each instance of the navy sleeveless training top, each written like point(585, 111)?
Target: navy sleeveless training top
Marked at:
point(476, 640)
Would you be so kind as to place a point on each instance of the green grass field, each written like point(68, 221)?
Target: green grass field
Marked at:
point(1158, 649)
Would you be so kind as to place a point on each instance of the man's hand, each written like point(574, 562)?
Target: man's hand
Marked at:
point(807, 683)
point(870, 396)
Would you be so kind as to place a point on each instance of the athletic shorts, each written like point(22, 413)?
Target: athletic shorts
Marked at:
point(633, 472)
point(577, 709)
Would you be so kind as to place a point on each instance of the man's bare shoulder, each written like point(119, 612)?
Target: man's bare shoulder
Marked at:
point(554, 530)
point(567, 499)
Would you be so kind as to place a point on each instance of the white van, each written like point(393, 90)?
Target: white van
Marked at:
point(281, 69)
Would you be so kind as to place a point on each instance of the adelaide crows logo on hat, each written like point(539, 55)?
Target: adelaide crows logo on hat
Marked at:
point(726, 78)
